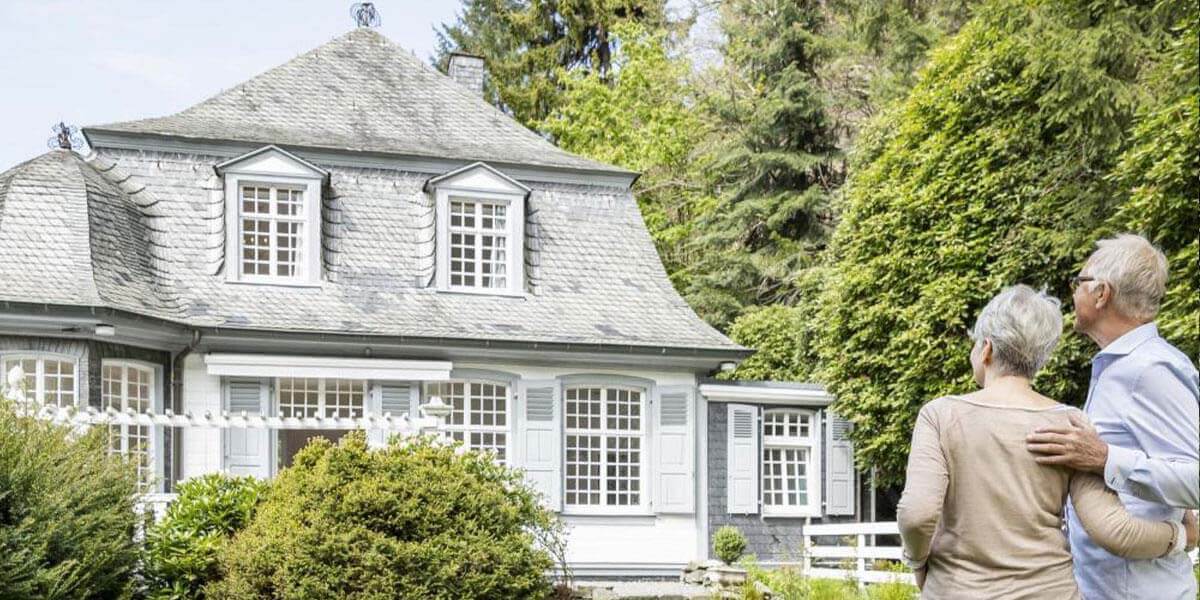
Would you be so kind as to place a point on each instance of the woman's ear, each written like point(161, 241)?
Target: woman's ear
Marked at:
point(985, 353)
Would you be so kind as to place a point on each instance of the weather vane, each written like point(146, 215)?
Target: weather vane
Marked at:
point(65, 137)
point(365, 15)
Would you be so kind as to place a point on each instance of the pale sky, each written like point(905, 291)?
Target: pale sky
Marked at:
point(90, 62)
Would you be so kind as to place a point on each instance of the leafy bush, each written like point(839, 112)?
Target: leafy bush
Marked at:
point(789, 584)
point(66, 512)
point(182, 549)
point(729, 544)
point(414, 520)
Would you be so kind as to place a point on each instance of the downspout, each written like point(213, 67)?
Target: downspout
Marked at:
point(177, 403)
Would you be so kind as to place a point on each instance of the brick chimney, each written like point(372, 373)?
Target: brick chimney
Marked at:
point(467, 70)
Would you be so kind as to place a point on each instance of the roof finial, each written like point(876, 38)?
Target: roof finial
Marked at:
point(65, 137)
point(365, 15)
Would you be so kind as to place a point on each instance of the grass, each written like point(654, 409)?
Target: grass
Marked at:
point(788, 584)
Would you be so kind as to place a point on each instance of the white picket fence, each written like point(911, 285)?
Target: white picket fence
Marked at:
point(852, 560)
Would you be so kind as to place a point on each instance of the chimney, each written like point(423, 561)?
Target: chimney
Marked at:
point(467, 70)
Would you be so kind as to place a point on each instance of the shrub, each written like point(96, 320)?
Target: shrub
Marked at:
point(66, 512)
point(414, 520)
point(787, 583)
point(729, 544)
point(182, 549)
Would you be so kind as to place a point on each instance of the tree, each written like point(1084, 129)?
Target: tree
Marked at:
point(528, 44)
point(643, 117)
point(992, 171)
point(774, 164)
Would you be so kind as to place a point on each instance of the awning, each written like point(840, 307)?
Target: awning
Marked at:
point(282, 365)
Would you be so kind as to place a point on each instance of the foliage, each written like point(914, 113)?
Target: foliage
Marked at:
point(414, 520)
point(642, 117)
point(775, 161)
point(784, 337)
point(729, 544)
point(1161, 171)
point(991, 172)
point(66, 512)
point(528, 43)
point(182, 548)
point(787, 583)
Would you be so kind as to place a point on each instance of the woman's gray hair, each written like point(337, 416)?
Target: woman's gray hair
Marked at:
point(1023, 326)
point(1136, 270)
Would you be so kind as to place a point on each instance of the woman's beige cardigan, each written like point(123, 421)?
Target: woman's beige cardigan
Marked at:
point(988, 518)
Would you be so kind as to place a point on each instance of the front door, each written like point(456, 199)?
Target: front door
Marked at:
point(247, 451)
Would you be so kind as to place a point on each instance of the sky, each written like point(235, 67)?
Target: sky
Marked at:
point(90, 62)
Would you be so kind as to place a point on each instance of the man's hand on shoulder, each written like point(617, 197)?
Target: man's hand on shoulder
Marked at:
point(1076, 445)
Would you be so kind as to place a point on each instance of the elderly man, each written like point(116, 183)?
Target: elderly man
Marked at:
point(1144, 403)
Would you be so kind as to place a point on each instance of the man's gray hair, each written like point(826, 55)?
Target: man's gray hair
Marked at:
point(1136, 271)
point(1023, 326)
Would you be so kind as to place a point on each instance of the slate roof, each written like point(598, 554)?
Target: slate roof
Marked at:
point(142, 230)
point(361, 92)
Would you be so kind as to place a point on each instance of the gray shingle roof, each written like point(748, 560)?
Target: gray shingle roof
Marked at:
point(361, 92)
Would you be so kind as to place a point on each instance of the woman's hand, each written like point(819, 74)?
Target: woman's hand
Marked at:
point(919, 575)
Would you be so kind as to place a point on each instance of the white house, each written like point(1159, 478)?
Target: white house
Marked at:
point(330, 244)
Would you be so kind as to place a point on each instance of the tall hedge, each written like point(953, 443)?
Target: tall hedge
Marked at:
point(414, 520)
point(66, 513)
point(996, 169)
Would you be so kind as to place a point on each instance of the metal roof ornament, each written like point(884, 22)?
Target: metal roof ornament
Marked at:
point(365, 14)
point(65, 137)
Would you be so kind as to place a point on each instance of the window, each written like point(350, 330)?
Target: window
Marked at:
point(789, 470)
point(480, 228)
point(272, 224)
point(272, 218)
point(326, 398)
point(478, 245)
point(124, 387)
point(604, 446)
point(479, 415)
point(48, 380)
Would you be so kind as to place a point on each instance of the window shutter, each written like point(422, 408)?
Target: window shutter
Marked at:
point(394, 397)
point(742, 460)
point(839, 472)
point(674, 451)
point(541, 423)
point(245, 395)
point(247, 451)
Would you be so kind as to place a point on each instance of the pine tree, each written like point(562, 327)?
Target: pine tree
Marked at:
point(528, 44)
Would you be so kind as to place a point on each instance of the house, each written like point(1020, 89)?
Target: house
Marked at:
point(336, 241)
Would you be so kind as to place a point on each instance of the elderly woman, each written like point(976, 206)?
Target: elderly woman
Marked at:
point(980, 518)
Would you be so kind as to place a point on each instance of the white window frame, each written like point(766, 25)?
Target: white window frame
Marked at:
point(483, 184)
point(811, 443)
point(273, 168)
point(154, 443)
point(644, 450)
point(322, 390)
point(466, 428)
point(38, 392)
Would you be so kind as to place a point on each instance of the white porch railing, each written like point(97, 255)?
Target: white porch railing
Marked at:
point(154, 504)
point(852, 560)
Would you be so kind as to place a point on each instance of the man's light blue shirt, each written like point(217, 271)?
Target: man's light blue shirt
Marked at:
point(1144, 399)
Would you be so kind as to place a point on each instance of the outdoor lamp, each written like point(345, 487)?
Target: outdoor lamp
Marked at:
point(436, 408)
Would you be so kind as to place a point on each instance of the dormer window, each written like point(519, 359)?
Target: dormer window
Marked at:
point(480, 227)
point(272, 218)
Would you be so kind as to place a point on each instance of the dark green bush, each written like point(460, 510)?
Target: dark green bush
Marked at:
point(182, 549)
point(413, 520)
point(729, 544)
point(66, 513)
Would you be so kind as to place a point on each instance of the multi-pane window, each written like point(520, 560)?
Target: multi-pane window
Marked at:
point(272, 227)
point(478, 416)
point(788, 466)
point(48, 380)
point(125, 387)
point(310, 397)
point(478, 244)
point(604, 446)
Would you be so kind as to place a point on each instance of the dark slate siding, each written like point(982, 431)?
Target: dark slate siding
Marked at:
point(769, 539)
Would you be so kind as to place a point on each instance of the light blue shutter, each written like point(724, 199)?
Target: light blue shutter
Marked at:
point(839, 471)
point(742, 460)
point(674, 450)
point(541, 425)
point(247, 451)
point(394, 397)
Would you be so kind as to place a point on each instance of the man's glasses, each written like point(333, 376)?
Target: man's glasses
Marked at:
point(1078, 279)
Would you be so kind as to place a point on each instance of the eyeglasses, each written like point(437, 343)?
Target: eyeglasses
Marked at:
point(1078, 279)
